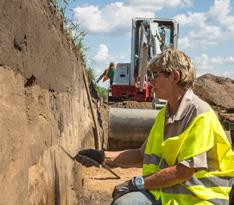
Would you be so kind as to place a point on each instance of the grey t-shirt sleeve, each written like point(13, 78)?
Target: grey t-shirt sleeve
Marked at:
point(197, 162)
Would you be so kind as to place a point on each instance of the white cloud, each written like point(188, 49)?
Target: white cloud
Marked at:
point(213, 27)
point(191, 19)
point(219, 10)
point(159, 4)
point(208, 35)
point(153, 5)
point(229, 22)
point(218, 13)
point(203, 62)
point(228, 74)
point(229, 60)
point(220, 66)
point(206, 62)
point(187, 3)
point(102, 55)
point(91, 18)
point(115, 18)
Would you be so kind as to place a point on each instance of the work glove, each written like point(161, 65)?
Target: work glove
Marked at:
point(124, 188)
point(90, 157)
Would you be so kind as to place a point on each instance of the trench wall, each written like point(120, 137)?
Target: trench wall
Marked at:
point(43, 106)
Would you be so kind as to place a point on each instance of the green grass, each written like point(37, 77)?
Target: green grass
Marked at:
point(61, 6)
point(102, 92)
point(72, 28)
point(77, 35)
point(91, 74)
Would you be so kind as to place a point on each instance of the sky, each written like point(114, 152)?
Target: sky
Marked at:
point(206, 30)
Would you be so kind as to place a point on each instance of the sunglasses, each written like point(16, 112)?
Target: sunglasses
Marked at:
point(156, 74)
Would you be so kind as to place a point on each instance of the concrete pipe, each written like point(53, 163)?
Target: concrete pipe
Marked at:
point(128, 128)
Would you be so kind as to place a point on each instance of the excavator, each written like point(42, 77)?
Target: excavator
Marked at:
point(150, 36)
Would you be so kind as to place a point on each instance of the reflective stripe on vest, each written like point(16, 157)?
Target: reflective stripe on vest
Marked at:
point(209, 181)
point(190, 186)
point(205, 187)
point(155, 160)
point(219, 201)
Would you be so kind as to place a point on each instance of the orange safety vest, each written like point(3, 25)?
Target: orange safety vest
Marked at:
point(106, 77)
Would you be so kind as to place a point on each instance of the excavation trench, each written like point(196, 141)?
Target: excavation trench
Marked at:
point(44, 102)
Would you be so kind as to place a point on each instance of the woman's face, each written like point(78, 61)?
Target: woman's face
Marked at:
point(163, 84)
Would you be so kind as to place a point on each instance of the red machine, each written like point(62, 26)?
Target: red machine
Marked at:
point(149, 37)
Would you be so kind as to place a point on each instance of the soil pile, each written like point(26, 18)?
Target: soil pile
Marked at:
point(218, 92)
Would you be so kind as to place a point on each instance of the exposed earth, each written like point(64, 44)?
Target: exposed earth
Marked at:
point(99, 183)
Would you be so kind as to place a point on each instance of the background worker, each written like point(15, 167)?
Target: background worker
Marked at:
point(187, 158)
point(108, 74)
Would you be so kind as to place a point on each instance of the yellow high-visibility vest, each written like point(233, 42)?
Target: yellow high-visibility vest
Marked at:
point(203, 134)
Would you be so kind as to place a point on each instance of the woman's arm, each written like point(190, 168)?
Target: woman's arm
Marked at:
point(125, 158)
point(168, 177)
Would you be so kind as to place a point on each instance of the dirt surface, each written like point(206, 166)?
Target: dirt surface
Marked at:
point(132, 105)
point(99, 183)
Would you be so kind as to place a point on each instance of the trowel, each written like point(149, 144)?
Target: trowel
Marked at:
point(89, 162)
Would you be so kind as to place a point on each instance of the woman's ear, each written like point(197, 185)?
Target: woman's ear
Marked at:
point(176, 76)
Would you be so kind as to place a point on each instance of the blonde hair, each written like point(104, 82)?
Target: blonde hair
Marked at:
point(174, 60)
